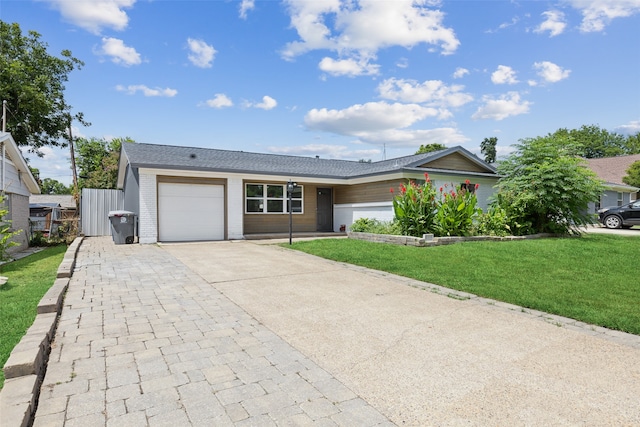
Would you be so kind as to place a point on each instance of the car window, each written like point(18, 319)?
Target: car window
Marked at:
point(636, 204)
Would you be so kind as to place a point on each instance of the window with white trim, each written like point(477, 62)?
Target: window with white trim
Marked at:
point(272, 199)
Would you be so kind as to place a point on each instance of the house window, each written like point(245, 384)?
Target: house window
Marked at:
point(470, 187)
point(272, 198)
point(620, 199)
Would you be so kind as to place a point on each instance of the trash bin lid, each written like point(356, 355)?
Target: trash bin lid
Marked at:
point(120, 213)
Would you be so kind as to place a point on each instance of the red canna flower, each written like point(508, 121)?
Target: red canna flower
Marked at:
point(441, 189)
point(403, 189)
point(466, 181)
point(391, 190)
point(477, 186)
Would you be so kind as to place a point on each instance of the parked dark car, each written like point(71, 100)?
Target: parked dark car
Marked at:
point(624, 216)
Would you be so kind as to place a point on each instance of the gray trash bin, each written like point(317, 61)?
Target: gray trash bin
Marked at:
point(123, 226)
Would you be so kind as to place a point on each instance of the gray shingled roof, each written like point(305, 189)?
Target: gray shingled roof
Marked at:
point(208, 159)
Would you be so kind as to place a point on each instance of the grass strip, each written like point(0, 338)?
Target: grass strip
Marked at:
point(592, 278)
point(29, 280)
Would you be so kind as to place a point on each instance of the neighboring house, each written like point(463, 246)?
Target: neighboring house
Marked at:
point(187, 194)
point(17, 183)
point(611, 170)
point(47, 211)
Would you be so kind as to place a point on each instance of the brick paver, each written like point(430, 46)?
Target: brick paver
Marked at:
point(142, 340)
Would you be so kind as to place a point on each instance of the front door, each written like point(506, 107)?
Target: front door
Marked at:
point(324, 211)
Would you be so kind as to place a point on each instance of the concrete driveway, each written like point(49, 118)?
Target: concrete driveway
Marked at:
point(424, 358)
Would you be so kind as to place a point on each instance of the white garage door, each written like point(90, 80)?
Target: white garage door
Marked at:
point(188, 212)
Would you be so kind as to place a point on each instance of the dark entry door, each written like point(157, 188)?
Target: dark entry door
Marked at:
point(324, 211)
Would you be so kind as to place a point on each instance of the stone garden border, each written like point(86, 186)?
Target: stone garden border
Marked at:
point(25, 368)
point(430, 240)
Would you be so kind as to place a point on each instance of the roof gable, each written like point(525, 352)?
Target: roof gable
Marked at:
point(13, 152)
point(455, 162)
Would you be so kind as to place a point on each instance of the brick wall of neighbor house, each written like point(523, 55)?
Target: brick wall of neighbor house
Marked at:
point(279, 223)
point(20, 221)
point(148, 222)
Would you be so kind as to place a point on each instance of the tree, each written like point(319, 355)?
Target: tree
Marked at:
point(488, 149)
point(633, 175)
point(32, 83)
point(595, 142)
point(52, 186)
point(428, 148)
point(97, 162)
point(546, 187)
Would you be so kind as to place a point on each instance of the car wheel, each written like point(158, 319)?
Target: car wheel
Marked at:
point(612, 221)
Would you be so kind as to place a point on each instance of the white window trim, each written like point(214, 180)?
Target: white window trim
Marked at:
point(264, 199)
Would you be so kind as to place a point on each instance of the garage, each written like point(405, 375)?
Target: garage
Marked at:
point(190, 212)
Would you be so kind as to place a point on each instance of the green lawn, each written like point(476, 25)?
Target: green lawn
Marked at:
point(29, 280)
point(593, 278)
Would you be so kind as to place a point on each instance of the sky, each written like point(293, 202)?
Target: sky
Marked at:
point(342, 79)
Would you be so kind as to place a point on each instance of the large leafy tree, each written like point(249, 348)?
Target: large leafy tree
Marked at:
point(595, 142)
point(488, 149)
point(32, 81)
point(546, 187)
point(427, 148)
point(633, 175)
point(52, 186)
point(97, 161)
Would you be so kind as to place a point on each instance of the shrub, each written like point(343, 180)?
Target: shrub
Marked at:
point(455, 211)
point(5, 232)
point(415, 208)
point(369, 225)
point(547, 186)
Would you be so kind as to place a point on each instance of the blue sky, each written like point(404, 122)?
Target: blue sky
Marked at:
point(352, 79)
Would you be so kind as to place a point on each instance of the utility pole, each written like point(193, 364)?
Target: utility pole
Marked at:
point(76, 196)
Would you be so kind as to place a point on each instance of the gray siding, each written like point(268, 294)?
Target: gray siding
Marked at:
point(131, 190)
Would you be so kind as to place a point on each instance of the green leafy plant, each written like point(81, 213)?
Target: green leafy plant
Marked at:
point(547, 186)
point(415, 208)
point(370, 225)
point(456, 210)
point(5, 232)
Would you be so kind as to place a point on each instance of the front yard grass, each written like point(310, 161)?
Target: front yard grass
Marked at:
point(593, 278)
point(29, 280)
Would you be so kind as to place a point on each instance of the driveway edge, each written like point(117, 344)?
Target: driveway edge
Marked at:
point(27, 363)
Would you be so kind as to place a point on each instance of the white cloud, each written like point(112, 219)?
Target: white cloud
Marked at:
point(505, 106)
point(504, 75)
point(550, 72)
point(220, 100)
point(597, 14)
point(369, 117)
point(246, 6)
point(460, 73)
point(358, 29)
point(119, 52)
point(268, 103)
point(348, 67)
point(325, 151)
point(147, 91)
point(554, 23)
point(433, 93)
point(94, 15)
point(202, 54)
point(504, 25)
point(630, 128)
point(382, 123)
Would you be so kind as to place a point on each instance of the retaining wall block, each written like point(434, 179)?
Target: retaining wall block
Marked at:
point(17, 401)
